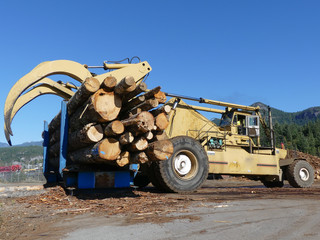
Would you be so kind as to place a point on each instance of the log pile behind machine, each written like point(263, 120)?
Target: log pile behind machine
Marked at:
point(114, 123)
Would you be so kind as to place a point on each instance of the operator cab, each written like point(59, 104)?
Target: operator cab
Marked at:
point(241, 123)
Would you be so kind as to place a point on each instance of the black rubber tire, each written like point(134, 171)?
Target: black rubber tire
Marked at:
point(295, 179)
point(141, 180)
point(166, 177)
point(273, 184)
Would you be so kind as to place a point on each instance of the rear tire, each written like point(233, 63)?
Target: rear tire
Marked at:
point(185, 170)
point(300, 174)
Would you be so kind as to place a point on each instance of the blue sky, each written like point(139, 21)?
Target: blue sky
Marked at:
point(235, 51)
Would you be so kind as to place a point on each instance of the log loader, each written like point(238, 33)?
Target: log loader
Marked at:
point(137, 130)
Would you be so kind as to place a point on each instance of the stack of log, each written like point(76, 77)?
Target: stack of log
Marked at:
point(115, 122)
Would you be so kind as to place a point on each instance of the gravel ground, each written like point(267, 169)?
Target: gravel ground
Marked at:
point(215, 210)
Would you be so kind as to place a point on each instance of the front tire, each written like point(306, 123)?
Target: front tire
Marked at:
point(185, 170)
point(300, 174)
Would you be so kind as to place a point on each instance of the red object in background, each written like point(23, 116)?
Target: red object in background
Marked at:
point(12, 168)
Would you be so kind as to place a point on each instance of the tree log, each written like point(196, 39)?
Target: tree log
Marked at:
point(102, 107)
point(125, 85)
point(87, 88)
point(133, 103)
point(148, 104)
point(54, 137)
point(140, 123)
point(160, 96)
point(114, 128)
point(126, 138)
point(139, 157)
point(109, 83)
point(134, 112)
point(123, 159)
point(142, 87)
point(106, 150)
point(158, 136)
point(159, 150)
point(90, 133)
point(54, 149)
point(163, 109)
point(161, 121)
point(148, 135)
point(138, 144)
point(152, 92)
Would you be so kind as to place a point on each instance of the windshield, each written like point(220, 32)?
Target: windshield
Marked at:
point(226, 119)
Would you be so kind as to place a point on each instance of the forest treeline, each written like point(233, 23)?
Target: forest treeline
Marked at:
point(304, 138)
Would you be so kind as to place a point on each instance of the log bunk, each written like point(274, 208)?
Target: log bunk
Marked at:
point(114, 123)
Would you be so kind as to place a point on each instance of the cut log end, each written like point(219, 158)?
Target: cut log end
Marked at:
point(126, 138)
point(107, 104)
point(109, 83)
point(95, 133)
point(160, 150)
point(91, 84)
point(161, 121)
point(109, 149)
point(114, 128)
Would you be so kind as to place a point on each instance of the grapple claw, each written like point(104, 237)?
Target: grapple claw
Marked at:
point(42, 89)
point(7, 136)
point(72, 69)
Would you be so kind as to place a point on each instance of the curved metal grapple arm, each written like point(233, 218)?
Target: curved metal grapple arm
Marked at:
point(72, 69)
point(37, 91)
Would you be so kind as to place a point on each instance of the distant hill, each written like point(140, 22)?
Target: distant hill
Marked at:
point(38, 143)
point(3, 145)
point(22, 154)
point(301, 118)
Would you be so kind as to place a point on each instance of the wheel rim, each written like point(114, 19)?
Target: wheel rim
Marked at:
point(185, 165)
point(304, 174)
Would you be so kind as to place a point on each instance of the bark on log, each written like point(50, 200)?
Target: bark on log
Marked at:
point(114, 128)
point(88, 87)
point(133, 103)
point(138, 144)
point(148, 104)
point(109, 83)
point(161, 121)
point(134, 112)
point(125, 85)
point(139, 157)
point(89, 134)
point(102, 107)
point(142, 87)
point(54, 149)
point(158, 136)
point(106, 150)
point(126, 138)
point(159, 150)
point(152, 92)
point(54, 137)
point(163, 109)
point(140, 123)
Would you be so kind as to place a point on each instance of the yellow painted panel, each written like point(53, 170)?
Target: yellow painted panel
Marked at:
point(239, 161)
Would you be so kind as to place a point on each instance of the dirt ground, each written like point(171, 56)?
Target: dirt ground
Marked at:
point(51, 213)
